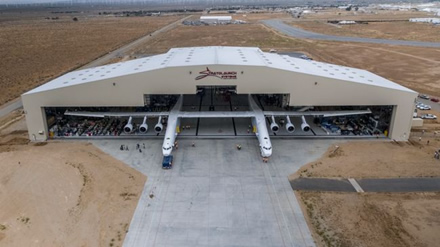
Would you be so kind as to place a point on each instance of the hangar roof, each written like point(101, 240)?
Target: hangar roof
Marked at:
point(218, 55)
point(216, 17)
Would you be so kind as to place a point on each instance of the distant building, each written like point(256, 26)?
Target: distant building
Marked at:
point(346, 22)
point(216, 19)
point(426, 20)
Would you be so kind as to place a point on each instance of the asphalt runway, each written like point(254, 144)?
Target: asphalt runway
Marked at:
point(368, 185)
point(280, 26)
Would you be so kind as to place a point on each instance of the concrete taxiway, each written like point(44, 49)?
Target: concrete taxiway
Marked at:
point(216, 195)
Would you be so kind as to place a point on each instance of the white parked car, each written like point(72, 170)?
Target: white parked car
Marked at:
point(422, 106)
point(429, 116)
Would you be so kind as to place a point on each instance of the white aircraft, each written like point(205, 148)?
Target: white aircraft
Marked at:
point(173, 128)
point(257, 116)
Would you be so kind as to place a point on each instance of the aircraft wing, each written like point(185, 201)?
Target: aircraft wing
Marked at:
point(316, 113)
point(217, 114)
point(115, 114)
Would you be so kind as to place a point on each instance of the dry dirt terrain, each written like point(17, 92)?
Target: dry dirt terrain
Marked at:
point(413, 67)
point(381, 158)
point(366, 14)
point(62, 194)
point(35, 50)
point(377, 159)
point(375, 219)
point(392, 220)
point(404, 30)
point(252, 34)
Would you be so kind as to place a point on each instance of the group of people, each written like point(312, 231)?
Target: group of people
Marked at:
point(176, 145)
point(124, 147)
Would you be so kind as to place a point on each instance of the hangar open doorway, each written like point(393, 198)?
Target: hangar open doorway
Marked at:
point(219, 98)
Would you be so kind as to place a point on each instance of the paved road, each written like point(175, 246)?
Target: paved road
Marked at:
point(10, 107)
point(400, 184)
point(322, 184)
point(17, 104)
point(218, 196)
point(368, 185)
point(280, 26)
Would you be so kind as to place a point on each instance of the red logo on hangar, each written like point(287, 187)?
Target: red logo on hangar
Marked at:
point(225, 75)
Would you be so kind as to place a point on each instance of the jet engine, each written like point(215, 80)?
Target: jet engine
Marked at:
point(128, 128)
point(144, 127)
point(274, 126)
point(304, 126)
point(158, 127)
point(289, 126)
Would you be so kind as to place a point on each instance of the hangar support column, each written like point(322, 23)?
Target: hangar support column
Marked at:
point(35, 121)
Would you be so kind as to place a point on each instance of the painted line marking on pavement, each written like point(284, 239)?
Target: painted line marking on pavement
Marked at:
point(355, 185)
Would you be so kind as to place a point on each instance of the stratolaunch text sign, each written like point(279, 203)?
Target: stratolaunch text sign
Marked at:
point(225, 75)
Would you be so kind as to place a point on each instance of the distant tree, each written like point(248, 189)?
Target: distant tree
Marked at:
point(75, 19)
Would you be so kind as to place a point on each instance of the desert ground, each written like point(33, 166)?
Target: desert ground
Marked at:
point(378, 159)
point(402, 30)
point(413, 67)
point(35, 50)
point(363, 14)
point(62, 194)
point(75, 188)
point(373, 219)
point(395, 25)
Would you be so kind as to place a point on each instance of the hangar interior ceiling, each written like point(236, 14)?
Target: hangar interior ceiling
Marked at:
point(217, 98)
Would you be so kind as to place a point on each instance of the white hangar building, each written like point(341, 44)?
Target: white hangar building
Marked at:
point(279, 82)
point(215, 19)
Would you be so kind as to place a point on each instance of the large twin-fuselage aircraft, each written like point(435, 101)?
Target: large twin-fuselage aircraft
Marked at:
point(257, 116)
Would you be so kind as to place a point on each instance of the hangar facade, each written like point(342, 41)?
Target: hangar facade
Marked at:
point(295, 83)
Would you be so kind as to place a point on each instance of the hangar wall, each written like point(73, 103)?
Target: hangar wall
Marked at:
point(304, 89)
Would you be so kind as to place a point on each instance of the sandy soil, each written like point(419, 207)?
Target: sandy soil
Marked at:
point(35, 50)
point(413, 67)
point(225, 35)
point(378, 30)
point(62, 194)
point(352, 219)
point(338, 14)
point(375, 219)
point(377, 159)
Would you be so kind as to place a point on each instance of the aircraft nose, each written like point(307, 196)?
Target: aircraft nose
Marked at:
point(269, 153)
point(266, 153)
